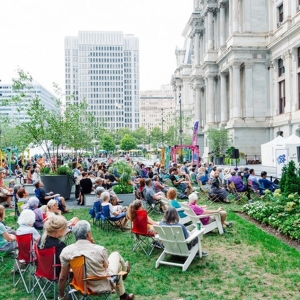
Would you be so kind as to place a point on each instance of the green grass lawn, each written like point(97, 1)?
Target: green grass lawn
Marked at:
point(244, 263)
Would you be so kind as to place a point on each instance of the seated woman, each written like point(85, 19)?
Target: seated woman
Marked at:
point(33, 204)
point(86, 185)
point(134, 209)
point(172, 195)
point(54, 229)
point(22, 196)
point(29, 173)
point(171, 218)
point(158, 187)
point(114, 211)
point(202, 210)
point(7, 240)
point(19, 174)
point(52, 210)
point(5, 192)
point(216, 189)
point(26, 221)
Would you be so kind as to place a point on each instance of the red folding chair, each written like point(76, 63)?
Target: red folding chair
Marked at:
point(142, 238)
point(45, 276)
point(24, 261)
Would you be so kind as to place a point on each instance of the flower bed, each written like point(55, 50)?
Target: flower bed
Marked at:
point(279, 211)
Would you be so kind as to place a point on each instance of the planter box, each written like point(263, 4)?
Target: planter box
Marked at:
point(127, 198)
point(58, 184)
point(219, 161)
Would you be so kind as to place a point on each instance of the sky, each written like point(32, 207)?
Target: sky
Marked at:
point(33, 32)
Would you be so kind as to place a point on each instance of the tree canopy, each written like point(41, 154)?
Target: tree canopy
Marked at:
point(128, 142)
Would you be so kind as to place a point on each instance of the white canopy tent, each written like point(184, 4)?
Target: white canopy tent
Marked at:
point(268, 151)
point(292, 143)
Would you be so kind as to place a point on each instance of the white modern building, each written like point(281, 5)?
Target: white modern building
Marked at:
point(155, 106)
point(240, 68)
point(11, 110)
point(102, 68)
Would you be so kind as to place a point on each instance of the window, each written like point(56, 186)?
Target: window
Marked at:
point(281, 69)
point(280, 13)
point(281, 96)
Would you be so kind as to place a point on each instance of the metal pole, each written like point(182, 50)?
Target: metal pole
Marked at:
point(180, 117)
point(162, 128)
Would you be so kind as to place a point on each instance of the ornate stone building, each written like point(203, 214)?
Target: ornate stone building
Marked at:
point(240, 68)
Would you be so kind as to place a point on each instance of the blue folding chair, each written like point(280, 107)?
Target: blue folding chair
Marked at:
point(110, 223)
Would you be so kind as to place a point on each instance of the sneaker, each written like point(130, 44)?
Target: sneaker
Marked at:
point(157, 245)
point(204, 254)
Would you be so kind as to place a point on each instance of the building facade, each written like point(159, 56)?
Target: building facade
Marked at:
point(11, 111)
point(240, 68)
point(102, 68)
point(155, 106)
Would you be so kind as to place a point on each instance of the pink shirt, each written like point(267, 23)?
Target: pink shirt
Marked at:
point(199, 211)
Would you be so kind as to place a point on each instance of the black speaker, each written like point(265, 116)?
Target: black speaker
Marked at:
point(235, 153)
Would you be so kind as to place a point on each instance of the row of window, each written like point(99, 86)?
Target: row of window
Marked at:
point(111, 72)
point(99, 48)
point(281, 83)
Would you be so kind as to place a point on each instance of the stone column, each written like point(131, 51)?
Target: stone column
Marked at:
point(247, 21)
point(210, 103)
point(203, 107)
point(236, 85)
point(249, 104)
point(288, 95)
point(210, 29)
point(196, 49)
point(222, 25)
point(197, 103)
point(235, 16)
point(201, 45)
point(224, 106)
point(230, 93)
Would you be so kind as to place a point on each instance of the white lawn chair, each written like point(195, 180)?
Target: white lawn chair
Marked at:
point(175, 243)
point(184, 220)
point(216, 224)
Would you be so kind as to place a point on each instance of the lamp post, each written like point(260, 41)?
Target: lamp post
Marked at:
point(162, 128)
point(149, 136)
point(180, 117)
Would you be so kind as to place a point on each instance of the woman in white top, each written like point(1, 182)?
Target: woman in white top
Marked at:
point(26, 221)
point(114, 211)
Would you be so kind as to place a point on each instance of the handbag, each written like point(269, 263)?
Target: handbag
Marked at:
point(3, 192)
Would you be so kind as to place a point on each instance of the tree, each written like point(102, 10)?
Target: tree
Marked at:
point(140, 135)
point(107, 143)
point(120, 133)
point(218, 140)
point(128, 142)
point(156, 135)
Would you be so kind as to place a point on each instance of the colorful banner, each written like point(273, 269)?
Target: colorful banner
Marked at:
point(281, 159)
point(195, 132)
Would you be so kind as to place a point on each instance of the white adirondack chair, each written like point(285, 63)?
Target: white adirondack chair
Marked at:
point(175, 244)
point(216, 224)
point(184, 220)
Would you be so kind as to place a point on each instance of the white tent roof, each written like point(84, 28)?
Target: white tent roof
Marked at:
point(292, 140)
point(268, 151)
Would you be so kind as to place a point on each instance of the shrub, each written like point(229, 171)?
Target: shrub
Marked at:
point(290, 179)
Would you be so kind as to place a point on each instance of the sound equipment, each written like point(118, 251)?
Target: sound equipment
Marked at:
point(235, 153)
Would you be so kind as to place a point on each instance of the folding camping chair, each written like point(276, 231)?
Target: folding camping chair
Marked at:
point(80, 281)
point(141, 238)
point(239, 196)
point(176, 244)
point(45, 272)
point(95, 212)
point(110, 223)
point(24, 258)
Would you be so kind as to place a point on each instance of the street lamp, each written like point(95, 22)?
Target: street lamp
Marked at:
point(180, 117)
point(162, 127)
point(149, 136)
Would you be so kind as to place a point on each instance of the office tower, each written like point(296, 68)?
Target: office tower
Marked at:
point(102, 68)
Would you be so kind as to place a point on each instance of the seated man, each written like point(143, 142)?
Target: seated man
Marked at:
point(150, 196)
point(97, 263)
point(202, 210)
point(179, 183)
point(44, 197)
point(253, 180)
point(269, 185)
